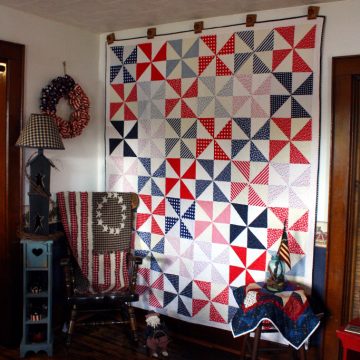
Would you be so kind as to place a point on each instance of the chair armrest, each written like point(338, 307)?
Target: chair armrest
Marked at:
point(68, 275)
point(137, 259)
point(134, 262)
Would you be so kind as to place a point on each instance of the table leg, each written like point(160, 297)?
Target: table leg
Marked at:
point(345, 353)
point(256, 342)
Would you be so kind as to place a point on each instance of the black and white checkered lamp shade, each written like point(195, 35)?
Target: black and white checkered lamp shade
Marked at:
point(40, 132)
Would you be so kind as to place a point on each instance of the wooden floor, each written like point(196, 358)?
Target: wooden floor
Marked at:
point(111, 343)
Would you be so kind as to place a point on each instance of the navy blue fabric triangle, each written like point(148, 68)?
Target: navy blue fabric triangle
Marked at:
point(132, 58)
point(190, 212)
point(191, 132)
point(297, 111)
point(175, 203)
point(306, 88)
point(174, 280)
point(155, 190)
point(114, 71)
point(253, 242)
point(170, 144)
point(193, 50)
point(187, 291)
point(141, 253)
point(235, 231)
point(128, 78)
point(128, 151)
point(225, 174)
point(176, 45)
point(169, 223)
point(184, 232)
point(267, 44)
point(159, 247)
point(208, 166)
point(160, 172)
point(154, 264)
point(242, 210)
point(256, 154)
point(168, 298)
point(240, 59)
point(259, 67)
point(146, 163)
point(145, 237)
point(133, 133)
point(263, 133)
point(247, 37)
point(171, 65)
point(236, 146)
point(185, 152)
point(232, 310)
point(285, 79)
point(119, 126)
point(201, 186)
point(118, 51)
point(182, 308)
point(218, 194)
point(276, 102)
point(113, 144)
point(260, 221)
point(244, 124)
point(175, 123)
point(142, 180)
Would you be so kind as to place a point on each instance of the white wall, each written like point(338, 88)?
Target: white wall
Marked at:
point(341, 37)
point(47, 45)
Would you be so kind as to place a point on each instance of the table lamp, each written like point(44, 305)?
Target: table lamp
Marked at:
point(42, 133)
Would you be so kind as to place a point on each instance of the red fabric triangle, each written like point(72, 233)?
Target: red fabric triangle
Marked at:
point(219, 153)
point(192, 91)
point(114, 107)
point(197, 305)
point(236, 189)
point(156, 74)
point(170, 104)
point(201, 145)
point(185, 193)
point(146, 200)
point(299, 65)
point(249, 279)
point(204, 62)
point(145, 273)
point(262, 177)
point(186, 112)
point(294, 246)
point(308, 41)
point(254, 199)
point(302, 224)
point(119, 89)
point(160, 209)
point(128, 114)
point(259, 263)
point(161, 55)
point(158, 283)
point(190, 172)
point(204, 286)
point(279, 56)
point(210, 41)
point(132, 95)
point(296, 157)
point(223, 297)
point(221, 68)
point(284, 124)
point(215, 315)
point(273, 235)
point(140, 69)
point(170, 183)
point(241, 253)
point(226, 132)
point(176, 85)
point(175, 164)
point(153, 301)
point(234, 272)
point(146, 49)
point(155, 228)
point(288, 33)
point(305, 134)
point(141, 219)
point(276, 146)
point(244, 168)
point(281, 213)
point(229, 47)
point(208, 124)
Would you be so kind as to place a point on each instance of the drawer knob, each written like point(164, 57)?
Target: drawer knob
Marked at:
point(37, 252)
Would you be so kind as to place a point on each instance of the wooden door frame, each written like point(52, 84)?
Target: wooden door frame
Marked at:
point(342, 196)
point(12, 185)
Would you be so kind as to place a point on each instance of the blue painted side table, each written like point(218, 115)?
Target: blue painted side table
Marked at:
point(37, 297)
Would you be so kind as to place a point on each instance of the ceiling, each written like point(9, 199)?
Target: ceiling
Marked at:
point(103, 16)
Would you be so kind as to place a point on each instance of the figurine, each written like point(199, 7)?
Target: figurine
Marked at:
point(155, 335)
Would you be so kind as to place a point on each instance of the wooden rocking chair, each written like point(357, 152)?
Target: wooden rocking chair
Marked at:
point(100, 272)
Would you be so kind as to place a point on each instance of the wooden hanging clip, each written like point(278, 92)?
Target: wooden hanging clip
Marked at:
point(250, 20)
point(198, 27)
point(151, 33)
point(313, 12)
point(110, 38)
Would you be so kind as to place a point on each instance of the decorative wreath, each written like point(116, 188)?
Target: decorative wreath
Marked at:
point(66, 87)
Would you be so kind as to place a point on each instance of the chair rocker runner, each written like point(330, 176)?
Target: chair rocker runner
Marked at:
point(100, 272)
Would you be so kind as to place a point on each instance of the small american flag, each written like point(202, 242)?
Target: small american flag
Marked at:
point(283, 252)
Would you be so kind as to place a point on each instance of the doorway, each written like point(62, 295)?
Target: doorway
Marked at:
point(11, 189)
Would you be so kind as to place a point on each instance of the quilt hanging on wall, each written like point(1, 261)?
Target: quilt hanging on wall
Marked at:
point(218, 133)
